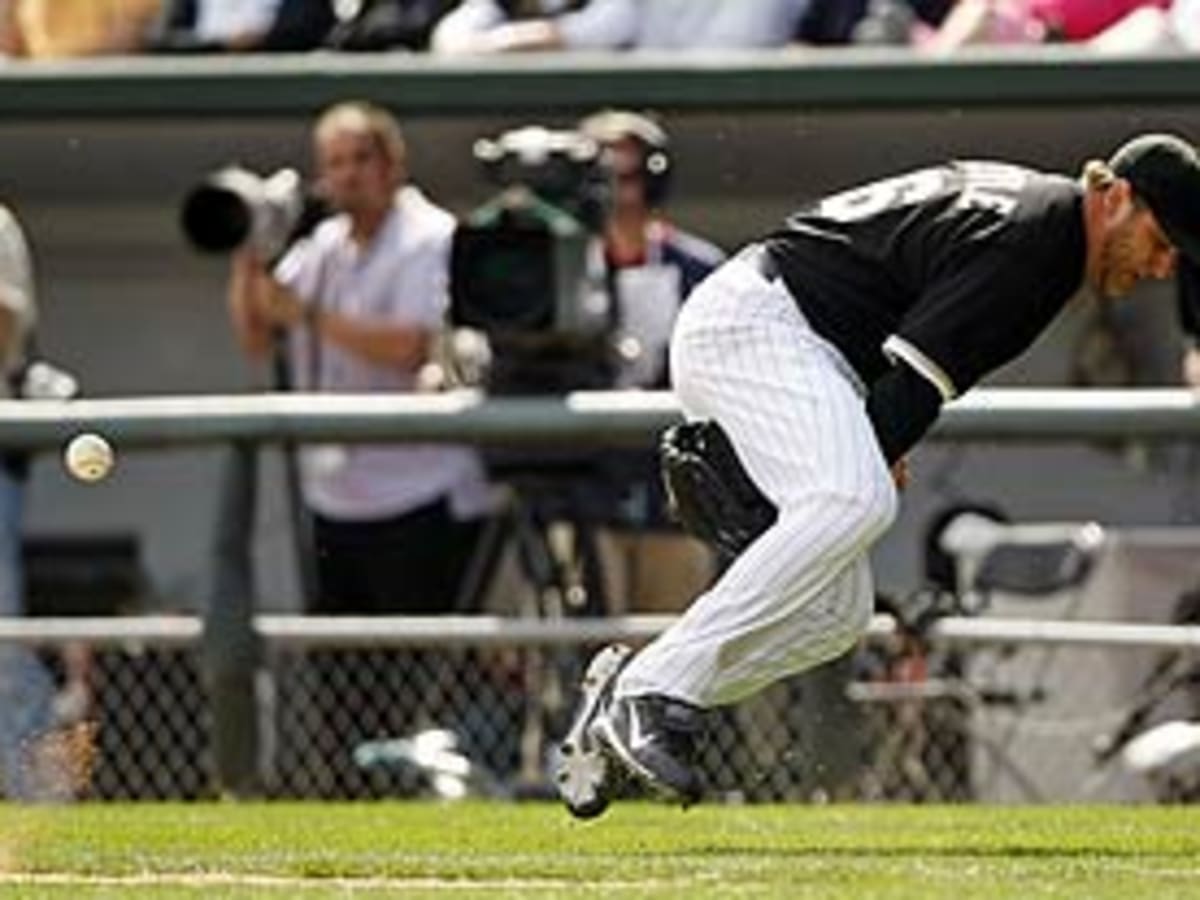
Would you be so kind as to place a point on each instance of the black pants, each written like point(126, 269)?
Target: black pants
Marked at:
point(411, 563)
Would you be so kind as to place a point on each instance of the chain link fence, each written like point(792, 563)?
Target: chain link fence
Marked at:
point(901, 719)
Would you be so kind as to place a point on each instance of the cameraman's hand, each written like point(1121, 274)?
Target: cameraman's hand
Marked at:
point(266, 302)
point(246, 277)
point(247, 262)
point(278, 306)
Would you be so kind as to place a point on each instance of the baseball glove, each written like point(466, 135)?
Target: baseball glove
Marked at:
point(709, 492)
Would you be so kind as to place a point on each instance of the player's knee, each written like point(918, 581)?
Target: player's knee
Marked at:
point(881, 509)
point(864, 515)
point(844, 620)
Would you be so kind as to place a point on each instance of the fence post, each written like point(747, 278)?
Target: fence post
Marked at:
point(230, 650)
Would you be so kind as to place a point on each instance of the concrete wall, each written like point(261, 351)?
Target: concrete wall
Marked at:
point(133, 311)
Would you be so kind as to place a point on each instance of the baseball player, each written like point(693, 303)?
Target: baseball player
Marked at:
point(809, 365)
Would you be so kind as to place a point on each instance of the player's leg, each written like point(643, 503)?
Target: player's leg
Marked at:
point(801, 593)
point(584, 774)
point(654, 733)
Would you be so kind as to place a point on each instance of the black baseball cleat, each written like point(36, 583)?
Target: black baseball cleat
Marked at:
point(654, 737)
point(585, 776)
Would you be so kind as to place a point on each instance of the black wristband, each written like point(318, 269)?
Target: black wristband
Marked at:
point(901, 406)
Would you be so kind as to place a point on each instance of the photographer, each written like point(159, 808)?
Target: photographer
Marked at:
point(360, 301)
point(648, 564)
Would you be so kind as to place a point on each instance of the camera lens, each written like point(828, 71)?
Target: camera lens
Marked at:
point(215, 219)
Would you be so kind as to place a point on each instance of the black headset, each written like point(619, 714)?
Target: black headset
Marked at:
point(614, 124)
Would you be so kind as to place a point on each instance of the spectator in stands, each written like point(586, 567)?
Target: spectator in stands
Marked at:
point(1034, 21)
point(26, 689)
point(834, 22)
point(650, 565)
point(387, 24)
point(1153, 28)
point(42, 29)
point(1084, 20)
point(1185, 23)
point(460, 29)
point(623, 25)
point(245, 25)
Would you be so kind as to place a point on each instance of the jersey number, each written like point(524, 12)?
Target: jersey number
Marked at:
point(993, 186)
point(869, 200)
point(985, 185)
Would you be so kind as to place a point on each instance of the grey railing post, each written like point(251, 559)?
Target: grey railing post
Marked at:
point(231, 652)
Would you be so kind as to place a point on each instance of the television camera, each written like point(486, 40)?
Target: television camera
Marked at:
point(528, 274)
point(528, 267)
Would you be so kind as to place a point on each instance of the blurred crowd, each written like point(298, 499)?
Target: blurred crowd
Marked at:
point(40, 29)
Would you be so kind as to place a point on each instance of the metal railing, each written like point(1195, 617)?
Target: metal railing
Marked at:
point(489, 631)
point(359, 708)
point(579, 419)
point(233, 644)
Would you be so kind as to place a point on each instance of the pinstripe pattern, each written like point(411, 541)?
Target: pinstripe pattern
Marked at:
point(743, 354)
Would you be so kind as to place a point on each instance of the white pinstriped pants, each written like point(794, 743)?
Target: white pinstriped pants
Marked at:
point(744, 355)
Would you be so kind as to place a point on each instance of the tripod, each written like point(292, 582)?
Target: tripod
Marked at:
point(548, 521)
point(548, 524)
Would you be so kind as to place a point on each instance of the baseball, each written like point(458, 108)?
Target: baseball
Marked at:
point(89, 457)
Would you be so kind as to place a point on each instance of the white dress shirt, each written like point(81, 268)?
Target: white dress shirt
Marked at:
point(399, 278)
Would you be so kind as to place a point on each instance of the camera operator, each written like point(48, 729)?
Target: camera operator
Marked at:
point(360, 301)
point(656, 264)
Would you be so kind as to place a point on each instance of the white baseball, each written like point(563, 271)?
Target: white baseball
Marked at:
point(89, 457)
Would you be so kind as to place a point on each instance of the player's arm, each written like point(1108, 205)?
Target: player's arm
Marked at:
point(945, 343)
point(902, 405)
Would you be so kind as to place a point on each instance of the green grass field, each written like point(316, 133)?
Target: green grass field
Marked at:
point(535, 850)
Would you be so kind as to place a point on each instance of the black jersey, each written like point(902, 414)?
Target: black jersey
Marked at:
point(963, 264)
